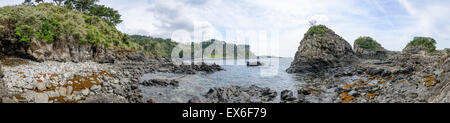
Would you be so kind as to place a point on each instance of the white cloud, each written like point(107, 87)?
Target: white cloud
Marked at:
point(392, 23)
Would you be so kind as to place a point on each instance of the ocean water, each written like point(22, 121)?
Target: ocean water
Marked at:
point(272, 75)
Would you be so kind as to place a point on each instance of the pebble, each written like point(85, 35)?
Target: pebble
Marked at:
point(41, 98)
point(69, 90)
point(62, 91)
point(41, 86)
point(85, 92)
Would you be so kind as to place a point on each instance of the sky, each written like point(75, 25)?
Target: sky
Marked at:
point(276, 27)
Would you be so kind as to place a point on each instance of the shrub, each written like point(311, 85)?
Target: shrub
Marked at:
point(367, 43)
point(321, 30)
point(426, 42)
point(47, 22)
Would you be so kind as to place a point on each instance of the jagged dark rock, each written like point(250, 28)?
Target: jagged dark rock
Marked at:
point(237, 94)
point(194, 68)
point(321, 50)
point(287, 96)
point(161, 82)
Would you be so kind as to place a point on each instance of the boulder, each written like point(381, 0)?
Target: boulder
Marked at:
point(287, 96)
point(368, 48)
point(321, 49)
point(237, 94)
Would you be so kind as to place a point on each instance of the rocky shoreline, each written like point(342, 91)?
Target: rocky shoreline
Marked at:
point(376, 75)
point(27, 81)
point(333, 71)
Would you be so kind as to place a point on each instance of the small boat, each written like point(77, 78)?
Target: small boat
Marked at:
point(254, 64)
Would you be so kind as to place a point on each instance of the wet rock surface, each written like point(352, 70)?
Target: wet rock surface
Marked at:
point(161, 82)
point(237, 94)
point(85, 82)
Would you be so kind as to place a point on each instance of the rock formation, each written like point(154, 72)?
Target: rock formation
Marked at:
point(1, 71)
point(236, 94)
point(368, 48)
point(441, 91)
point(321, 49)
point(71, 51)
point(420, 44)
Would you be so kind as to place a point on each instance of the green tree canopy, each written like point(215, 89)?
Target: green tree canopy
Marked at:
point(367, 42)
point(87, 6)
point(425, 42)
point(108, 14)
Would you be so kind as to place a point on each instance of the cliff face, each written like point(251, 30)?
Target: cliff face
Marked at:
point(442, 90)
point(321, 49)
point(76, 52)
point(368, 48)
point(49, 32)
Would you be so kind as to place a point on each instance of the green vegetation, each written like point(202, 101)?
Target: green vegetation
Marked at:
point(87, 6)
point(426, 42)
point(155, 46)
point(47, 22)
point(321, 30)
point(367, 43)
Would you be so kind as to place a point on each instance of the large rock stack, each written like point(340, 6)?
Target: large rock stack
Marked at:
point(368, 48)
point(321, 49)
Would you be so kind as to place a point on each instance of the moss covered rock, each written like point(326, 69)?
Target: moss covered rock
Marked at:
point(321, 49)
point(366, 47)
point(50, 32)
point(421, 44)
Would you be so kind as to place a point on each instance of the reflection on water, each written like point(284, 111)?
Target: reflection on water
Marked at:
point(272, 74)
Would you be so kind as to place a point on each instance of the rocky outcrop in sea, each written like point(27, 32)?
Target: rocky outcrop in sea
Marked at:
point(320, 50)
point(418, 74)
point(237, 94)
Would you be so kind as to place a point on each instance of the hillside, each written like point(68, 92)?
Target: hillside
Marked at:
point(215, 49)
point(163, 47)
point(50, 32)
point(157, 46)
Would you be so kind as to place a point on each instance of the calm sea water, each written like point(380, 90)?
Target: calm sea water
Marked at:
point(272, 74)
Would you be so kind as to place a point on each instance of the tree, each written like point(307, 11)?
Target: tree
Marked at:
point(108, 14)
point(39, 1)
point(59, 2)
point(312, 22)
point(30, 2)
point(83, 5)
